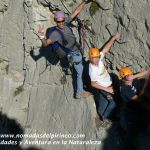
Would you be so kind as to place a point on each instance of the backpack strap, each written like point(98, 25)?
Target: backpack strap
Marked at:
point(57, 44)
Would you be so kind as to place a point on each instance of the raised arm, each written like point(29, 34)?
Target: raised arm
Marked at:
point(110, 43)
point(140, 75)
point(79, 8)
point(45, 42)
point(143, 74)
point(138, 97)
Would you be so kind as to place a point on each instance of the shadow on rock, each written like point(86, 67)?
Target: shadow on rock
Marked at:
point(9, 129)
point(46, 52)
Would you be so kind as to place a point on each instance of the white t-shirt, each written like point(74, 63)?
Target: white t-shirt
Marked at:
point(99, 73)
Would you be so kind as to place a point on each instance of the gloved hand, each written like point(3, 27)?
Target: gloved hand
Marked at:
point(116, 36)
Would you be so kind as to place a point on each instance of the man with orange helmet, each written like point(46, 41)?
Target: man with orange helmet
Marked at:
point(101, 80)
point(131, 89)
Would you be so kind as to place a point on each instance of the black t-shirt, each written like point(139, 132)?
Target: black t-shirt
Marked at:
point(128, 91)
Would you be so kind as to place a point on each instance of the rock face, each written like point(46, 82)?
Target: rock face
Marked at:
point(32, 90)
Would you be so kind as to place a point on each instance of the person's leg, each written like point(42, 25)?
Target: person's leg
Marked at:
point(102, 104)
point(109, 105)
point(64, 64)
point(110, 110)
point(77, 61)
point(79, 70)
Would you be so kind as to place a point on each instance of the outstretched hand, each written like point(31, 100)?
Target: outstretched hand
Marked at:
point(117, 36)
point(41, 30)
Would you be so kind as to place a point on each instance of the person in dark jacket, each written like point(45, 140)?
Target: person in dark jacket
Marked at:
point(132, 88)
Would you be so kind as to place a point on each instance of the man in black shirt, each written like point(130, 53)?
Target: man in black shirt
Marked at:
point(131, 89)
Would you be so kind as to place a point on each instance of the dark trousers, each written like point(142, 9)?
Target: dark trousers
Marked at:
point(106, 104)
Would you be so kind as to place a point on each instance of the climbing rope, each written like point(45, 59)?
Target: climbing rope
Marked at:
point(83, 37)
point(82, 32)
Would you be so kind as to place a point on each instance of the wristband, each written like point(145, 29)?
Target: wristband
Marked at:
point(41, 37)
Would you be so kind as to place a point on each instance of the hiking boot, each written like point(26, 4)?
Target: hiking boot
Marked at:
point(85, 94)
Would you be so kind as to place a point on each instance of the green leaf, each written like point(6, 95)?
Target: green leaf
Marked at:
point(94, 8)
point(18, 90)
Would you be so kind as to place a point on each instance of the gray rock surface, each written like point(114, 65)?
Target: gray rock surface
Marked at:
point(33, 94)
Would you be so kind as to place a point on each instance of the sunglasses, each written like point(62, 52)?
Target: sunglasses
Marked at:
point(60, 21)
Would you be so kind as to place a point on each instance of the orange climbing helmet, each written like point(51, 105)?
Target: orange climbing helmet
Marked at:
point(125, 71)
point(94, 52)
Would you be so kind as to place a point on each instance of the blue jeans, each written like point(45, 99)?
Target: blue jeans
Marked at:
point(106, 105)
point(77, 64)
